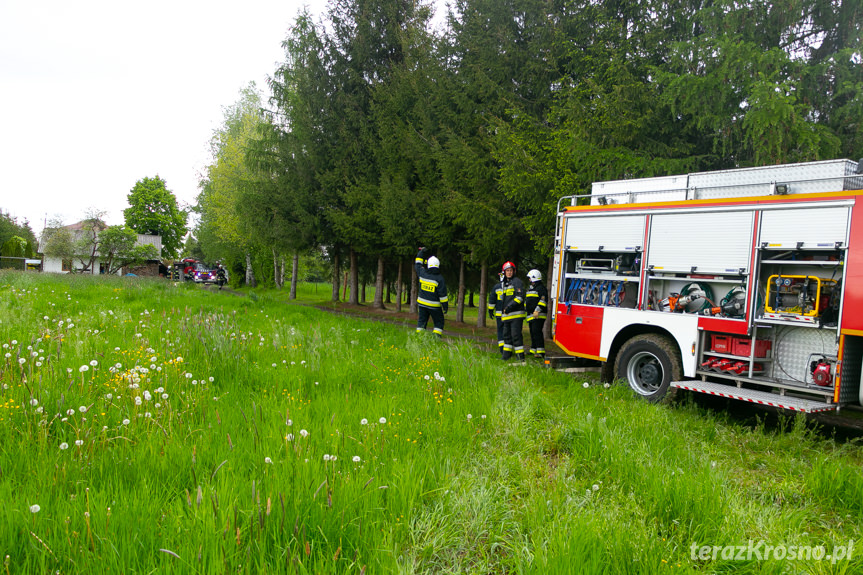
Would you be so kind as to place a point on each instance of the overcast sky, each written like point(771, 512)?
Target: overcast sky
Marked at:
point(97, 94)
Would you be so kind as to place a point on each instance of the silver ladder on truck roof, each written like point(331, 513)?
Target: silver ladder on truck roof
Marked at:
point(801, 178)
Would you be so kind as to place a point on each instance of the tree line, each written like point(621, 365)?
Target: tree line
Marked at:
point(17, 242)
point(383, 133)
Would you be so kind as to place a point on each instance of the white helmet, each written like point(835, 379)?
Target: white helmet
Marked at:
point(433, 262)
point(534, 275)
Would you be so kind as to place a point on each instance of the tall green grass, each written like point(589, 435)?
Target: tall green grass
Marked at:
point(224, 434)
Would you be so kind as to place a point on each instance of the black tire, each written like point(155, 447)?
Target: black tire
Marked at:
point(649, 363)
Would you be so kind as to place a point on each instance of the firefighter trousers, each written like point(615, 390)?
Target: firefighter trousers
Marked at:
point(436, 314)
point(512, 338)
point(537, 341)
point(499, 334)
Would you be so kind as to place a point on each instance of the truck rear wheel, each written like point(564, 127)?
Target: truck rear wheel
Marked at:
point(649, 363)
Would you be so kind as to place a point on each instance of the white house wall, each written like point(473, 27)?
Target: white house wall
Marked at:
point(55, 265)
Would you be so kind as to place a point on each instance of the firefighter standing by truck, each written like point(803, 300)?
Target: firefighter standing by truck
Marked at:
point(495, 310)
point(432, 299)
point(536, 304)
point(513, 313)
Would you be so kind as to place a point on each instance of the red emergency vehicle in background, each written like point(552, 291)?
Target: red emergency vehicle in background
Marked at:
point(744, 283)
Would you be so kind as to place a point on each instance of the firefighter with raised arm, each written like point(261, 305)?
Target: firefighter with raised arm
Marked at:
point(495, 310)
point(432, 299)
point(513, 313)
point(536, 304)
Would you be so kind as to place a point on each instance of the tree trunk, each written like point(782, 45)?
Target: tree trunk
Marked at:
point(483, 293)
point(470, 299)
point(414, 290)
point(276, 270)
point(345, 287)
point(388, 298)
point(250, 273)
point(546, 329)
point(295, 273)
point(379, 285)
point(336, 276)
point(459, 312)
point(399, 286)
point(355, 279)
point(363, 291)
point(282, 269)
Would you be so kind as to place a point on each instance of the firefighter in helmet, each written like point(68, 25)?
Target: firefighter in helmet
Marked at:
point(432, 299)
point(495, 299)
point(536, 304)
point(513, 313)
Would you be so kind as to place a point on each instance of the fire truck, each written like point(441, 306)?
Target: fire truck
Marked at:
point(743, 283)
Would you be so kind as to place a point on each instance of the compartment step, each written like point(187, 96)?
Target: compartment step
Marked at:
point(754, 396)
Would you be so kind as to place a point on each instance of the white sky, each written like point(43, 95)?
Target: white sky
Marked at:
point(98, 94)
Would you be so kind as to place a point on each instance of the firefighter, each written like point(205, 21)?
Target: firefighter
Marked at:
point(495, 299)
point(513, 313)
point(536, 305)
point(221, 276)
point(432, 299)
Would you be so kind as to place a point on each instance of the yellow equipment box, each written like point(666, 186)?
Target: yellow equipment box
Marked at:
point(805, 296)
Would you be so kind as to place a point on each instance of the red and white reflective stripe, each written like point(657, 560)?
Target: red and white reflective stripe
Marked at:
point(753, 400)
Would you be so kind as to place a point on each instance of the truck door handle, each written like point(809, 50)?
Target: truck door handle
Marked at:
point(578, 320)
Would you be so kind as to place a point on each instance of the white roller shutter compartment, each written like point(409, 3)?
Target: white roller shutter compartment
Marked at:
point(812, 227)
point(709, 242)
point(612, 233)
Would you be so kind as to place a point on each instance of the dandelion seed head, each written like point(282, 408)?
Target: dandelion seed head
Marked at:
point(268, 461)
point(64, 446)
point(364, 421)
point(79, 442)
point(356, 458)
point(35, 509)
point(382, 420)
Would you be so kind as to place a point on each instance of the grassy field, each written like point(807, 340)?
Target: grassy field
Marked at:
point(153, 428)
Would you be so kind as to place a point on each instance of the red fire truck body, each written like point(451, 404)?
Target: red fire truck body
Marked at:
point(742, 283)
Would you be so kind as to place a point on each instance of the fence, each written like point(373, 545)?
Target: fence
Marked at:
point(22, 264)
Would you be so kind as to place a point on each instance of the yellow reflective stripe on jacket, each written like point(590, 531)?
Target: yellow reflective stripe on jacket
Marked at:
point(514, 315)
